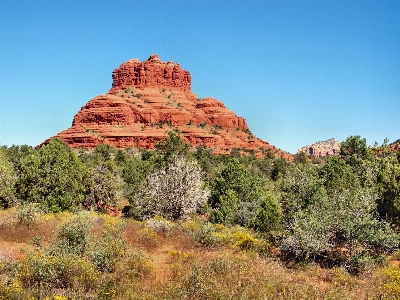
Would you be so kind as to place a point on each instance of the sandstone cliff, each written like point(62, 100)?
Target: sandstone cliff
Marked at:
point(321, 149)
point(150, 98)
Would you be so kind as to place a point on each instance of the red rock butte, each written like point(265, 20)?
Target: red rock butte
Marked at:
point(150, 98)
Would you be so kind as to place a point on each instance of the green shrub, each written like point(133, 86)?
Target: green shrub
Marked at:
point(53, 176)
point(73, 236)
point(345, 221)
point(104, 187)
point(232, 193)
point(338, 176)
point(205, 236)
point(28, 214)
point(136, 265)
point(268, 217)
point(107, 251)
point(41, 269)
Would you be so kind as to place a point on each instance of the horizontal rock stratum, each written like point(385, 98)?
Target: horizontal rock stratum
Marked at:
point(151, 98)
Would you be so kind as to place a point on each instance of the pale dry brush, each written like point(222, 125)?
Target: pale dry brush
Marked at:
point(173, 191)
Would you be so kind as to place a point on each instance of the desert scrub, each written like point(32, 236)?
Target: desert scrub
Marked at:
point(390, 287)
point(109, 248)
point(6, 257)
point(191, 225)
point(148, 238)
point(107, 251)
point(233, 277)
point(111, 225)
point(247, 242)
point(7, 217)
point(11, 289)
point(42, 269)
point(181, 257)
point(342, 278)
point(61, 217)
point(73, 236)
point(28, 214)
point(207, 236)
point(127, 277)
point(135, 265)
point(243, 240)
point(160, 225)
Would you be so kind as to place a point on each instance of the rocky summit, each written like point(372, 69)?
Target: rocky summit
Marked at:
point(151, 98)
point(321, 149)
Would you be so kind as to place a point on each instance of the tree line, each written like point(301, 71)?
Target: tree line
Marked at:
point(340, 210)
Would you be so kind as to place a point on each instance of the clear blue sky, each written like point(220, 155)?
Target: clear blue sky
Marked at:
point(298, 71)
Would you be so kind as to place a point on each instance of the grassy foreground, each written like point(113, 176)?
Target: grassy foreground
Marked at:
point(96, 256)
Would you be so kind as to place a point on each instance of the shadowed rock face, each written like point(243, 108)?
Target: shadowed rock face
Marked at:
point(150, 98)
point(321, 149)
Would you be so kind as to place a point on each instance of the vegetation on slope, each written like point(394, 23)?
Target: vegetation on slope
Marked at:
point(193, 225)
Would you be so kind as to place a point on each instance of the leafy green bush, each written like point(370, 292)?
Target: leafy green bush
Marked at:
point(135, 172)
point(354, 148)
point(234, 185)
point(338, 175)
point(268, 217)
point(104, 187)
point(279, 168)
point(173, 145)
point(300, 188)
point(388, 186)
point(53, 176)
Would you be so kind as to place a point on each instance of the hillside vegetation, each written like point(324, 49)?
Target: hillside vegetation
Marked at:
point(180, 222)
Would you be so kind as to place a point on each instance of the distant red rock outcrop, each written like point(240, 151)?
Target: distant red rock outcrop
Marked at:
point(321, 149)
point(150, 98)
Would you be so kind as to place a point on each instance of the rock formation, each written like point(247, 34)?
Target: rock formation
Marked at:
point(321, 149)
point(395, 145)
point(150, 98)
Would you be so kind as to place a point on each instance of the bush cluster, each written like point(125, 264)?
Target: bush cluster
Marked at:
point(340, 211)
point(78, 260)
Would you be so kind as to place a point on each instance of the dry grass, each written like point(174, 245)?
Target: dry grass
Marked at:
point(175, 266)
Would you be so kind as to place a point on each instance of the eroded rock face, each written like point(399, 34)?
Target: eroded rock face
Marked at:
point(151, 73)
point(147, 100)
point(322, 149)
